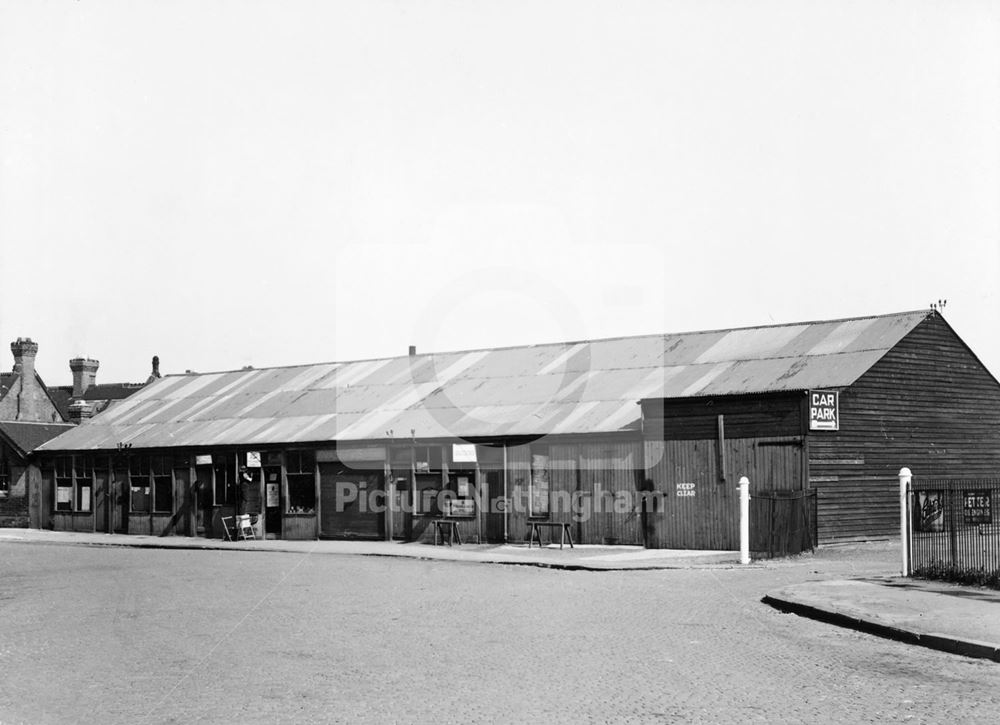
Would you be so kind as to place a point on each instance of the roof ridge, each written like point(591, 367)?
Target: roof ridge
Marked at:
point(564, 343)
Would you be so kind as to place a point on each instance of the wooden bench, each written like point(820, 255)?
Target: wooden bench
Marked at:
point(535, 529)
point(453, 534)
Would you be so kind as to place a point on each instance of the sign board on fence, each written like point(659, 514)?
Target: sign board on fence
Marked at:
point(685, 489)
point(976, 507)
point(824, 410)
point(930, 515)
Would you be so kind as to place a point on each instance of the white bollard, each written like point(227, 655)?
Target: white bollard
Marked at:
point(905, 477)
point(744, 520)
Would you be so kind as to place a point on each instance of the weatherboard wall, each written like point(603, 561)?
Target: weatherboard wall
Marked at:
point(930, 405)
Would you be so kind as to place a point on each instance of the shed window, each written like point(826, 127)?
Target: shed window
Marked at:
point(4, 477)
point(300, 468)
point(163, 495)
point(138, 478)
point(64, 483)
point(74, 479)
point(83, 471)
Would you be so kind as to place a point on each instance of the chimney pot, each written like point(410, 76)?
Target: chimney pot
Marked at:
point(24, 351)
point(156, 370)
point(84, 374)
point(413, 350)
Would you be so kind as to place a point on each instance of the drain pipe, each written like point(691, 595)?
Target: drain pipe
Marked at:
point(506, 501)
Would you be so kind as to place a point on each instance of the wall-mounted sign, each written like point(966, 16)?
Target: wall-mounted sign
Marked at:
point(824, 410)
point(461, 507)
point(685, 489)
point(463, 452)
point(976, 507)
point(463, 486)
point(203, 460)
point(253, 459)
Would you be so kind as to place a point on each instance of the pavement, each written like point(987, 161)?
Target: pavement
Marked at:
point(958, 619)
point(580, 557)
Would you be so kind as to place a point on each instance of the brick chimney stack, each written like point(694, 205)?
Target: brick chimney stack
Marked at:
point(84, 374)
point(24, 350)
point(80, 411)
point(25, 400)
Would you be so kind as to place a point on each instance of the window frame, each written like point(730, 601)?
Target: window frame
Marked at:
point(74, 473)
point(6, 473)
point(300, 480)
point(138, 470)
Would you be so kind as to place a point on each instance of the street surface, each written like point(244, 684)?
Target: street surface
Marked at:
point(109, 635)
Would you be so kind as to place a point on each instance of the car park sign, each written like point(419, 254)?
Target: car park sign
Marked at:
point(824, 410)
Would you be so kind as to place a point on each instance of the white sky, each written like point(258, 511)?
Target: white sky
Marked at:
point(270, 183)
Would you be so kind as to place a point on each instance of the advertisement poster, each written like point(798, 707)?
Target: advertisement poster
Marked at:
point(976, 507)
point(930, 511)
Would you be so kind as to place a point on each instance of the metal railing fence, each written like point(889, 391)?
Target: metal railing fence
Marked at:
point(953, 526)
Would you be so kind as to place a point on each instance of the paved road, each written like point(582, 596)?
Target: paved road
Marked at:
point(149, 636)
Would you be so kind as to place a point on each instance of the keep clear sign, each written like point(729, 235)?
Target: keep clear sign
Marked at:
point(685, 489)
point(824, 410)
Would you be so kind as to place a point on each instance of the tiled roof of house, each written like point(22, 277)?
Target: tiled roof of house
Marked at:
point(25, 437)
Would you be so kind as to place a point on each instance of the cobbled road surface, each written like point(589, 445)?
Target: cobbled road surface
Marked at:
point(118, 635)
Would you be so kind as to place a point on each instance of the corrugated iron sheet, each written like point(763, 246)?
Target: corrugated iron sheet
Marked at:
point(576, 387)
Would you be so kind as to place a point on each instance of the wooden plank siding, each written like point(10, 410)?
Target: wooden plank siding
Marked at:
point(518, 476)
point(762, 438)
point(610, 476)
point(929, 405)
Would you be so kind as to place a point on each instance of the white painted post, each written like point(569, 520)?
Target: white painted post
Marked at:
point(744, 520)
point(904, 521)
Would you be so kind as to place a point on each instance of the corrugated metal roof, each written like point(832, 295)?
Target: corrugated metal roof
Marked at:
point(572, 387)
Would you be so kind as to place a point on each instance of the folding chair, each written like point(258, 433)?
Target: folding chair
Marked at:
point(244, 527)
point(229, 527)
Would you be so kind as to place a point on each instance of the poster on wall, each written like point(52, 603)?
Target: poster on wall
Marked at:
point(271, 494)
point(824, 410)
point(538, 501)
point(253, 459)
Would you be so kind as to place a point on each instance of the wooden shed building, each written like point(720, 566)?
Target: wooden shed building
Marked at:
point(636, 440)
